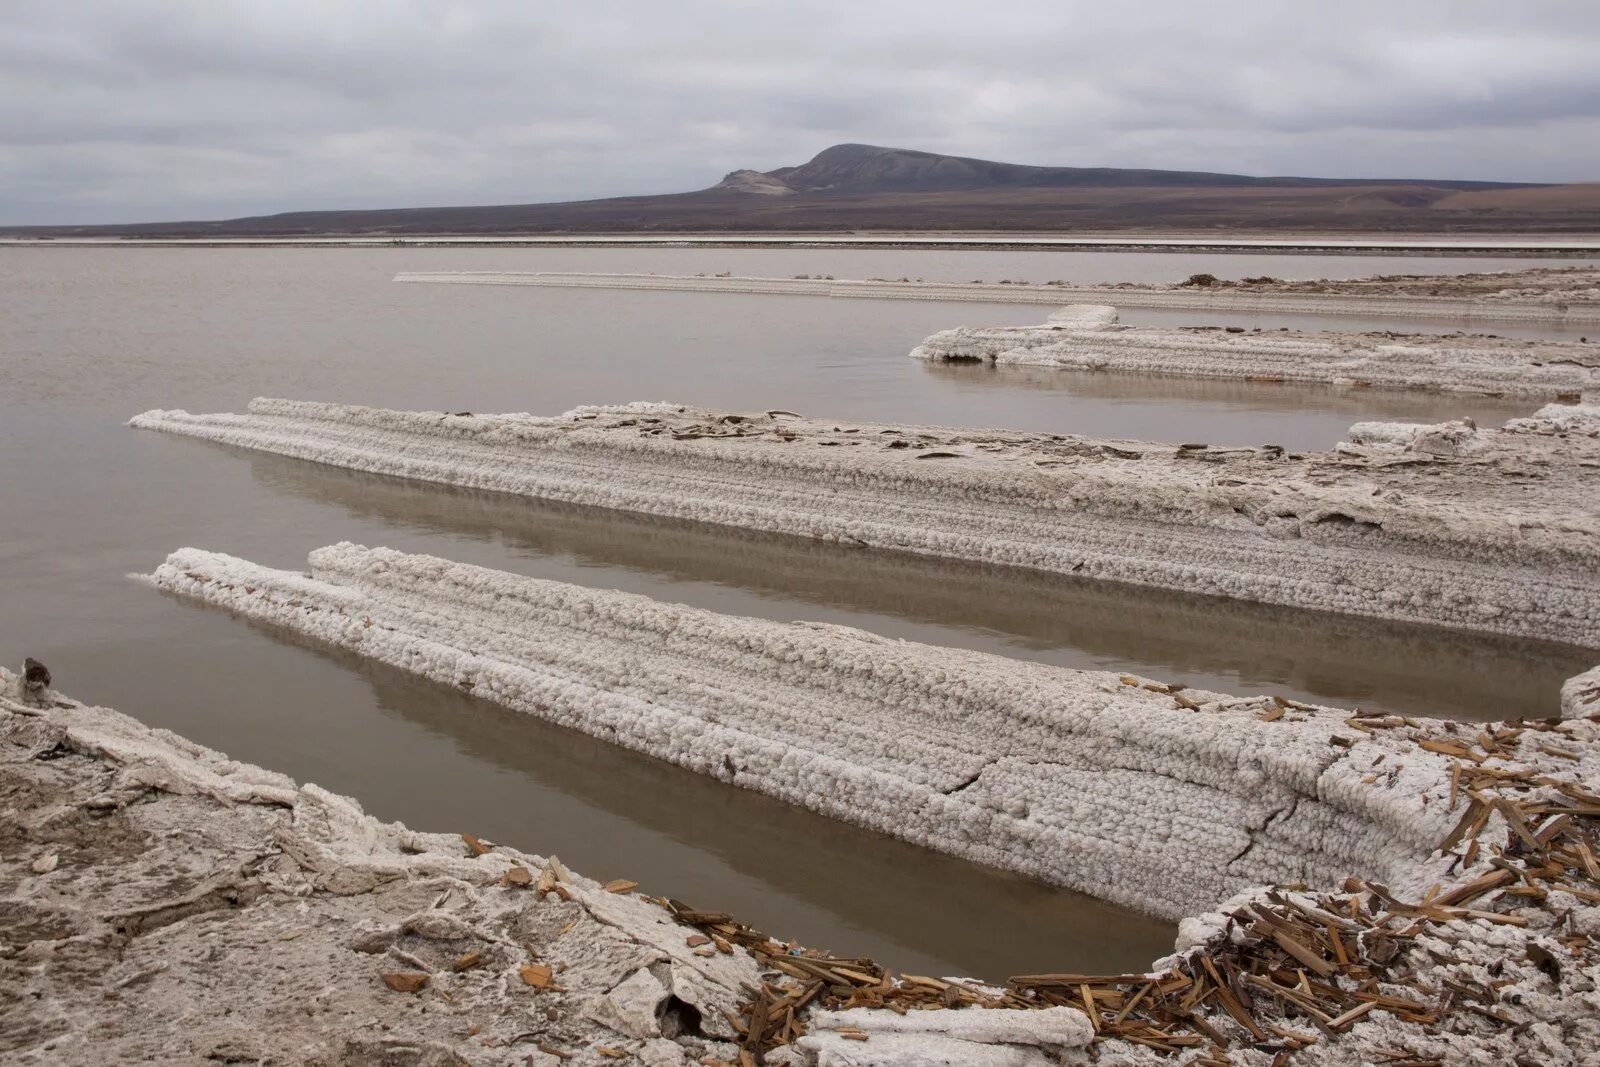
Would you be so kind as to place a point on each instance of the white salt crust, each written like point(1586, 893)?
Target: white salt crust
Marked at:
point(164, 890)
point(1497, 309)
point(1498, 532)
point(1580, 696)
point(1086, 338)
point(197, 910)
point(1073, 778)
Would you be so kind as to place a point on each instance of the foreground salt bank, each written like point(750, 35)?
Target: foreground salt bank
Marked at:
point(160, 893)
point(1089, 338)
point(1488, 529)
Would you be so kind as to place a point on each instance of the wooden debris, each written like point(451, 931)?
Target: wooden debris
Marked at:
point(540, 976)
point(1296, 967)
point(406, 981)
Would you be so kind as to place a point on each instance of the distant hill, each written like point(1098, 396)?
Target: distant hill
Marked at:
point(865, 187)
point(865, 168)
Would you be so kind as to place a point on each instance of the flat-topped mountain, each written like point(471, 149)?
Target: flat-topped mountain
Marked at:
point(866, 187)
point(865, 168)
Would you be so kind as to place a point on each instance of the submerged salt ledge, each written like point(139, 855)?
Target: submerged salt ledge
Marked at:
point(1508, 306)
point(1500, 532)
point(1087, 338)
point(1076, 779)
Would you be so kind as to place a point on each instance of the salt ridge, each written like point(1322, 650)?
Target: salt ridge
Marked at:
point(1495, 530)
point(1087, 338)
point(1092, 781)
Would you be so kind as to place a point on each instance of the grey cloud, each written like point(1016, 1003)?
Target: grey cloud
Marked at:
point(112, 111)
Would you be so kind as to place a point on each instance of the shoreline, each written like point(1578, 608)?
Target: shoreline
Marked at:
point(1554, 246)
point(171, 904)
point(164, 887)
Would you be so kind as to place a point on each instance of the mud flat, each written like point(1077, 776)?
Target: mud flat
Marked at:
point(1087, 337)
point(1525, 297)
point(1494, 530)
point(162, 902)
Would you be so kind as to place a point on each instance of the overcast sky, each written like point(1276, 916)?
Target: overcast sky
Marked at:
point(144, 110)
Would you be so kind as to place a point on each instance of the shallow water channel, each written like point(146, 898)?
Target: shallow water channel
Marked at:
point(91, 336)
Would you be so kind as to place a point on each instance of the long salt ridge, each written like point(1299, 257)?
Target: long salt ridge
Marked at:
point(1088, 338)
point(1488, 530)
point(1166, 801)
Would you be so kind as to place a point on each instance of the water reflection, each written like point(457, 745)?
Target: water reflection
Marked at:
point(609, 811)
point(1287, 398)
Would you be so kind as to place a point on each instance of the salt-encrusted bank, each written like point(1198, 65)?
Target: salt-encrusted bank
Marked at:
point(1166, 801)
point(162, 903)
point(1496, 530)
point(1509, 305)
point(1088, 338)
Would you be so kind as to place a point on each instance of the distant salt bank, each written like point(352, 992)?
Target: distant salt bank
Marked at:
point(1547, 295)
point(1087, 337)
point(1286, 244)
point(1487, 529)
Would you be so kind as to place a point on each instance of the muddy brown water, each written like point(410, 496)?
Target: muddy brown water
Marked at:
point(91, 336)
